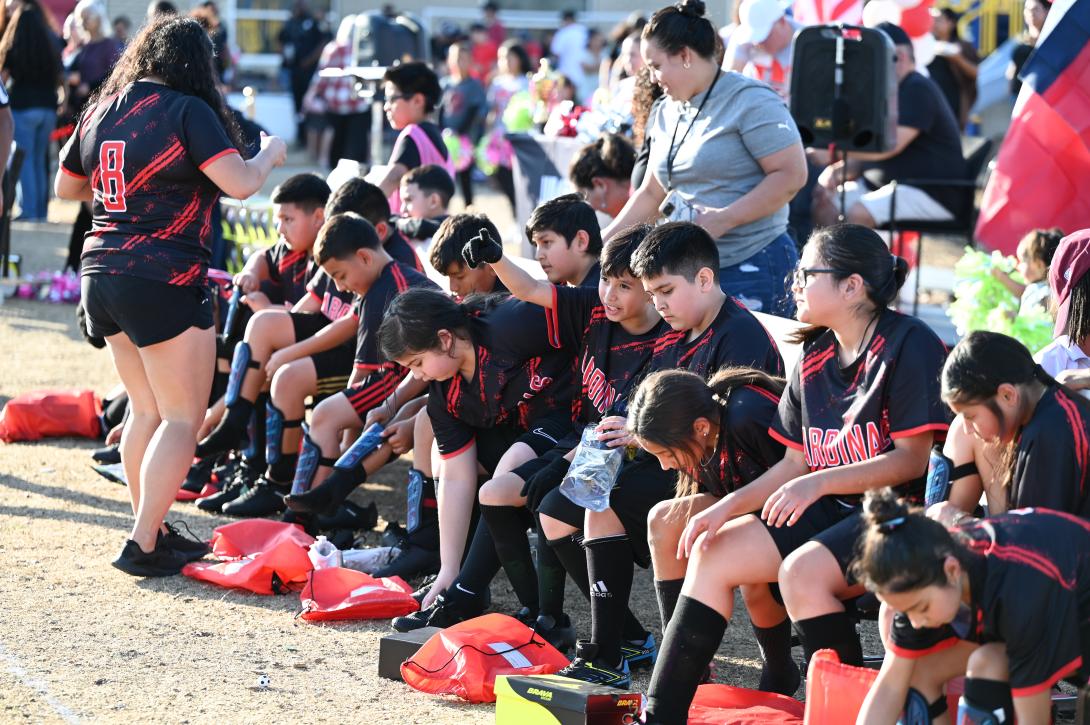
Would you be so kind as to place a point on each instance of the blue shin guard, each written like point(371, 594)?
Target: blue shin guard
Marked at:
point(240, 363)
point(310, 457)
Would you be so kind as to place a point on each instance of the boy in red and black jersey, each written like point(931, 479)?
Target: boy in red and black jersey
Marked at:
point(446, 256)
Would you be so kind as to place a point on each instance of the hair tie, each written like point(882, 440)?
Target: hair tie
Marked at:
point(719, 399)
point(888, 527)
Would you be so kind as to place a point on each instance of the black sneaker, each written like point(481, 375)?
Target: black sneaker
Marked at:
point(557, 631)
point(262, 499)
point(351, 516)
point(232, 489)
point(412, 562)
point(189, 546)
point(425, 586)
point(107, 454)
point(163, 561)
point(444, 613)
point(586, 668)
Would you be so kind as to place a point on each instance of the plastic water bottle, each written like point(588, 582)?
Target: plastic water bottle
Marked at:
point(323, 554)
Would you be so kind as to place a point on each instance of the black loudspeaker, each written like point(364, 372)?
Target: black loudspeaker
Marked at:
point(844, 88)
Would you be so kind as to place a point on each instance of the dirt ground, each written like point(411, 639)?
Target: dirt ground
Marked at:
point(80, 640)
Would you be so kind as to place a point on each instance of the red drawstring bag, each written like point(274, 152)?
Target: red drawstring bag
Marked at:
point(339, 593)
point(464, 660)
point(260, 555)
point(716, 704)
point(835, 691)
point(51, 414)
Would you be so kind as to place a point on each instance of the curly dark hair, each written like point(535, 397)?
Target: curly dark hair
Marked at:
point(28, 51)
point(178, 51)
point(644, 95)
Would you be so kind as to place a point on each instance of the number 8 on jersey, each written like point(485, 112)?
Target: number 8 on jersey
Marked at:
point(111, 164)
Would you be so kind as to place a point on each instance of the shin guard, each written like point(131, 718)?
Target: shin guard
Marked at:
point(241, 363)
point(310, 457)
point(275, 424)
point(421, 504)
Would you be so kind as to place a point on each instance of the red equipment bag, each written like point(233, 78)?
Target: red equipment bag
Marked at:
point(262, 556)
point(465, 659)
point(339, 593)
point(716, 704)
point(835, 691)
point(51, 414)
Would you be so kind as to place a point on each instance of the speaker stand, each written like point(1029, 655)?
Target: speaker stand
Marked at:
point(843, 215)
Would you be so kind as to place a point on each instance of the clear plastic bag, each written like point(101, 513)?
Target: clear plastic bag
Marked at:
point(593, 471)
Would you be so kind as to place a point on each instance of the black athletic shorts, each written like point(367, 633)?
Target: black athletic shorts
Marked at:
point(641, 485)
point(828, 522)
point(542, 437)
point(551, 463)
point(332, 367)
point(146, 310)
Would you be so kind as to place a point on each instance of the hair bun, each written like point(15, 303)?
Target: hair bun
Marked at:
point(693, 8)
point(882, 505)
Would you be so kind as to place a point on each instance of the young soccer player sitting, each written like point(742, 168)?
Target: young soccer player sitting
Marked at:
point(446, 256)
point(567, 240)
point(425, 193)
point(367, 200)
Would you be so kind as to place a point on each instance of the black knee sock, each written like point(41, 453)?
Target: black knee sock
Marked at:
point(255, 449)
point(610, 567)
point(667, 592)
point(834, 631)
point(688, 646)
point(990, 696)
point(551, 577)
point(507, 526)
point(283, 471)
point(480, 566)
point(779, 672)
point(569, 550)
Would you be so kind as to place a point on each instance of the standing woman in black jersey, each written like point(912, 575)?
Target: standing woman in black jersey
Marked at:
point(152, 152)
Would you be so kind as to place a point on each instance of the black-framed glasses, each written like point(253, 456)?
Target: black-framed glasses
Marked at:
point(801, 275)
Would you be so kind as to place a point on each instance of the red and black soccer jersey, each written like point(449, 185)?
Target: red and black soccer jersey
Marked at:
point(400, 249)
point(1029, 584)
point(519, 378)
point(611, 361)
point(1052, 461)
point(144, 151)
point(843, 415)
point(744, 450)
point(289, 271)
point(594, 276)
point(735, 338)
point(335, 304)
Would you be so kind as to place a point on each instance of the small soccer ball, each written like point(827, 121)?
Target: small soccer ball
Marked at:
point(263, 681)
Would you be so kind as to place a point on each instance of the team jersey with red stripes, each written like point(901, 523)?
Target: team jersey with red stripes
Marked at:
point(843, 415)
point(289, 271)
point(1029, 585)
point(519, 377)
point(744, 450)
point(335, 304)
point(1052, 460)
point(611, 361)
point(735, 338)
point(399, 248)
point(143, 152)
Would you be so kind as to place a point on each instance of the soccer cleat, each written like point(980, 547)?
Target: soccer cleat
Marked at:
point(444, 613)
point(558, 632)
point(162, 561)
point(640, 655)
point(233, 488)
point(586, 668)
point(351, 516)
point(422, 590)
point(262, 499)
point(200, 473)
point(107, 454)
point(189, 546)
point(326, 496)
point(526, 615)
point(111, 472)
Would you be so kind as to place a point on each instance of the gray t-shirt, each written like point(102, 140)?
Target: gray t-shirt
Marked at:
point(742, 121)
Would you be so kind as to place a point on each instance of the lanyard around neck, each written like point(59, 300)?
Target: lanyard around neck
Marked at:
point(672, 152)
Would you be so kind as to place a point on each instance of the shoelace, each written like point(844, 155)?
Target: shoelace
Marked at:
point(172, 529)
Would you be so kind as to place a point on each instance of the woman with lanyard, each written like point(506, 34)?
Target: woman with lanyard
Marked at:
point(151, 154)
point(725, 154)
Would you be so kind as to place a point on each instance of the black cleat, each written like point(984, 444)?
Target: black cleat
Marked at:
point(189, 546)
point(351, 516)
point(557, 631)
point(443, 613)
point(163, 561)
point(326, 496)
point(107, 454)
point(200, 473)
point(233, 488)
point(587, 667)
point(262, 499)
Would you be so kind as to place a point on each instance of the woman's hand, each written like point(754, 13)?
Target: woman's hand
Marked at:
point(612, 432)
point(1074, 379)
point(831, 176)
point(787, 504)
point(714, 221)
point(707, 522)
point(947, 514)
point(275, 147)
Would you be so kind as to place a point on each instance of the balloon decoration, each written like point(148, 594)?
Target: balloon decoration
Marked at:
point(914, 17)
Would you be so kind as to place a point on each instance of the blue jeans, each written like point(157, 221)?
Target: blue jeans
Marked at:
point(761, 282)
point(32, 129)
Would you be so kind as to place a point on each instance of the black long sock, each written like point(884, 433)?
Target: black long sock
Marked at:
point(480, 566)
point(990, 696)
point(507, 526)
point(552, 577)
point(230, 430)
point(834, 631)
point(255, 451)
point(667, 591)
point(688, 646)
point(609, 566)
point(779, 673)
point(569, 550)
